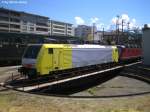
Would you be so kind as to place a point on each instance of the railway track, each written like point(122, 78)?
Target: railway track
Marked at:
point(37, 84)
point(137, 72)
point(42, 81)
point(24, 81)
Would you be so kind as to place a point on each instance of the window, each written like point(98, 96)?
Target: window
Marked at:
point(31, 24)
point(4, 25)
point(58, 23)
point(42, 29)
point(24, 22)
point(4, 18)
point(41, 24)
point(69, 28)
point(50, 51)
point(31, 29)
point(32, 51)
point(14, 26)
point(59, 31)
point(24, 28)
point(14, 20)
point(69, 31)
point(15, 14)
point(60, 27)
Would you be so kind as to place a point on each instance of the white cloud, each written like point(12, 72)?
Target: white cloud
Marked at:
point(114, 20)
point(140, 27)
point(134, 20)
point(110, 27)
point(94, 20)
point(126, 19)
point(132, 24)
point(79, 20)
point(100, 26)
point(119, 19)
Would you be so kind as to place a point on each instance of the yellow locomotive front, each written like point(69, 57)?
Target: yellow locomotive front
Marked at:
point(29, 60)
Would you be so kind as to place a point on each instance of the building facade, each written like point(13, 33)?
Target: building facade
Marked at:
point(60, 28)
point(146, 44)
point(87, 33)
point(16, 21)
point(83, 31)
point(98, 36)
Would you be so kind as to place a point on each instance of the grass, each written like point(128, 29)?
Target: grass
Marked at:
point(11, 101)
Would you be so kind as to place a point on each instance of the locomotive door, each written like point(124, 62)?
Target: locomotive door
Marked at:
point(57, 59)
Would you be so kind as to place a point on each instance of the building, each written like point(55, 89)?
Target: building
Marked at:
point(60, 28)
point(146, 45)
point(83, 31)
point(17, 21)
point(87, 33)
point(98, 36)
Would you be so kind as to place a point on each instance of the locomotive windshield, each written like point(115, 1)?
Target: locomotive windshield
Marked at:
point(32, 51)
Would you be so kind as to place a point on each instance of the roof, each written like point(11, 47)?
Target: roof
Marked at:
point(61, 22)
point(75, 46)
point(1, 8)
point(22, 12)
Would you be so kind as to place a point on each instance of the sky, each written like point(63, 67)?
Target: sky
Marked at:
point(101, 12)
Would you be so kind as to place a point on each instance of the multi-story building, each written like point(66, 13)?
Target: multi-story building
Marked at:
point(60, 28)
point(85, 32)
point(98, 36)
point(16, 21)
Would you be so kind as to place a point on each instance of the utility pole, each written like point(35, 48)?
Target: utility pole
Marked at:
point(122, 25)
point(117, 28)
point(93, 31)
point(122, 35)
point(128, 25)
point(103, 35)
point(116, 31)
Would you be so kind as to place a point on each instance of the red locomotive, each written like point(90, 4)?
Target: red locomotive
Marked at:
point(129, 53)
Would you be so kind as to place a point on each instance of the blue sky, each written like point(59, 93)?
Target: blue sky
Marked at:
point(102, 12)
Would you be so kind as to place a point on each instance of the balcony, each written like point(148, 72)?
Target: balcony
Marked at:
point(42, 29)
point(58, 25)
point(15, 23)
point(4, 14)
point(14, 14)
point(61, 33)
point(4, 28)
point(5, 22)
point(42, 24)
point(38, 26)
point(14, 29)
point(41, 32)
point(58, 29)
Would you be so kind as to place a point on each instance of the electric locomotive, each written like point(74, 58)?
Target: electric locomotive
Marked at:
point(44, 59)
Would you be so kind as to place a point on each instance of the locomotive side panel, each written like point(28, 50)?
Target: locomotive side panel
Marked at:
point(44, 62)
point(53, 58)
point(67, 58)
point(90, 56)
point(130, 53)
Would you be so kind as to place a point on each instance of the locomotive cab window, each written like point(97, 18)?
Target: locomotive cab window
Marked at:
point(50, 51)
point(32, 51)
